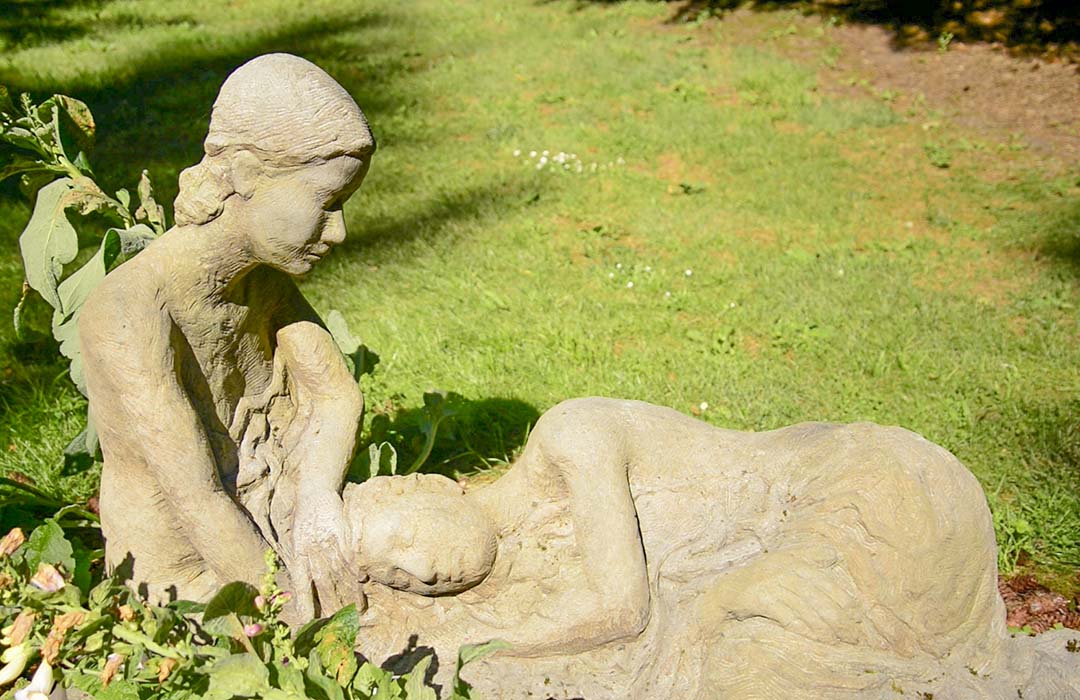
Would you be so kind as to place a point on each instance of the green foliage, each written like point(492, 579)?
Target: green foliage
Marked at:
point(105, 641)
point(47, 147)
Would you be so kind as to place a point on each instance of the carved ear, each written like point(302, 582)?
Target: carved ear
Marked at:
point(244, 170)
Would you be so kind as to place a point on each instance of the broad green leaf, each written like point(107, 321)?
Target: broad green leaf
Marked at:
point(415, 688)
point(387, 689)
point(361, 359)
point(118, 690)
point(339, 329)
point(317, 677)
point(72, 293)
point(77, 118)
point(21, 137)
point(236, 597)
point(368, 678)
point(335, 643)
point(467, 654)
point(20, 165)
point(49, 241)
point(238, 675)
point(47, 544)
point(134, 239)
point(306, 638)
point(86, 197)
point(289, 678)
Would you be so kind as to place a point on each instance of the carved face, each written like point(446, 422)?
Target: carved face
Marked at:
point(295, 216)
point(426, 543)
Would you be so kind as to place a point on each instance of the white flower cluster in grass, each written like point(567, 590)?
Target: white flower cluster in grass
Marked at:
point(564, 162)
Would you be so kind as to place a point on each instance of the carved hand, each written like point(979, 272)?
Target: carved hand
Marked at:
point(323, 569)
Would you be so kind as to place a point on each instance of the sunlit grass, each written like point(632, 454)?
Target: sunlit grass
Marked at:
point(747, 241)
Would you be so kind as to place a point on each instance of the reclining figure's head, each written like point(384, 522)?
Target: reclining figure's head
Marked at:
point(419, 533)
point(288, 145)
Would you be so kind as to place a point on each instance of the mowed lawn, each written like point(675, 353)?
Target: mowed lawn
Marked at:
point(577, 199)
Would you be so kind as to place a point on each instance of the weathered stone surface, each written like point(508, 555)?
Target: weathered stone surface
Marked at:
point(645, 554)
point(218, 395)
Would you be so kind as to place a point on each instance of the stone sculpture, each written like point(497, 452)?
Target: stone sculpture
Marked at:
point(631, 551)
point(208, 373)
point(634, 552)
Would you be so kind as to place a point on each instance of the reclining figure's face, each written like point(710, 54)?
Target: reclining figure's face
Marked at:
point(422, 542)
point(295, 216)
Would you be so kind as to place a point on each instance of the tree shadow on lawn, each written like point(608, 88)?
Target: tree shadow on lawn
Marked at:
point(1037, 28)
point(25, 23)
point(1060, 241)
point(154, 115)
point(481, 434)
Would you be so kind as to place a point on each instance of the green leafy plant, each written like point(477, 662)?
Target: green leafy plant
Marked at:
point(103, 641)
point(46, 146)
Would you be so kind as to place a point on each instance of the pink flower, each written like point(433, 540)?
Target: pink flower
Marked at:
point(253, 630)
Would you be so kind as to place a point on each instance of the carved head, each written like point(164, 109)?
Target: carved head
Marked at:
point(419, 533)
point(287, 146)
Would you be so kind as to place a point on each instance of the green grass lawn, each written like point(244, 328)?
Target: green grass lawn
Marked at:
point(739, 242)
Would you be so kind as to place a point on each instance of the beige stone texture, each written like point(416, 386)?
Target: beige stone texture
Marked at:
point(643, 554)
point(217, 392)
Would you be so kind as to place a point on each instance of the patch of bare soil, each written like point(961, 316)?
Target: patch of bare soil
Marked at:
point(974, 85)
point(1030, 604)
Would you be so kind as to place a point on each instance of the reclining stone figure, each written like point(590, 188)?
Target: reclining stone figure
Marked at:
point(634, 552)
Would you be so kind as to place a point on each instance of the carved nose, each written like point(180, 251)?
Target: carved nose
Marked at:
point(334, 228)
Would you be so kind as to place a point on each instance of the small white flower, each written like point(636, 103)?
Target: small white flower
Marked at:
point(618, 266)
point(909, 224)
point(14, 660)
point(629, 285)
point(543, 159)
point(648, 268)
point(532, 154)
point(539, 166)
point(667, 295)
point(611, 275)
point(732, 305)
point(621, 161)
point(688, 272)
point(840, 272)
point(41, 685)
point(545, 153)
point(517, 152)
point(704, 405)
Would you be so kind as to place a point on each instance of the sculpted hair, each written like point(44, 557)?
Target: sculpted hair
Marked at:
point(286, 111)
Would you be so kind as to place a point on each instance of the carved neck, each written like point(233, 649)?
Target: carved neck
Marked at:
point(219, 253)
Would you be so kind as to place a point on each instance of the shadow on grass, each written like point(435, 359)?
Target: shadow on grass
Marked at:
point(25, 23)
point(1041, 27)
point(155, 114)
point(1061, 237)
point(481, 434)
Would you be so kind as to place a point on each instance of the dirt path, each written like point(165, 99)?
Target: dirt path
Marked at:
point(978, 85)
